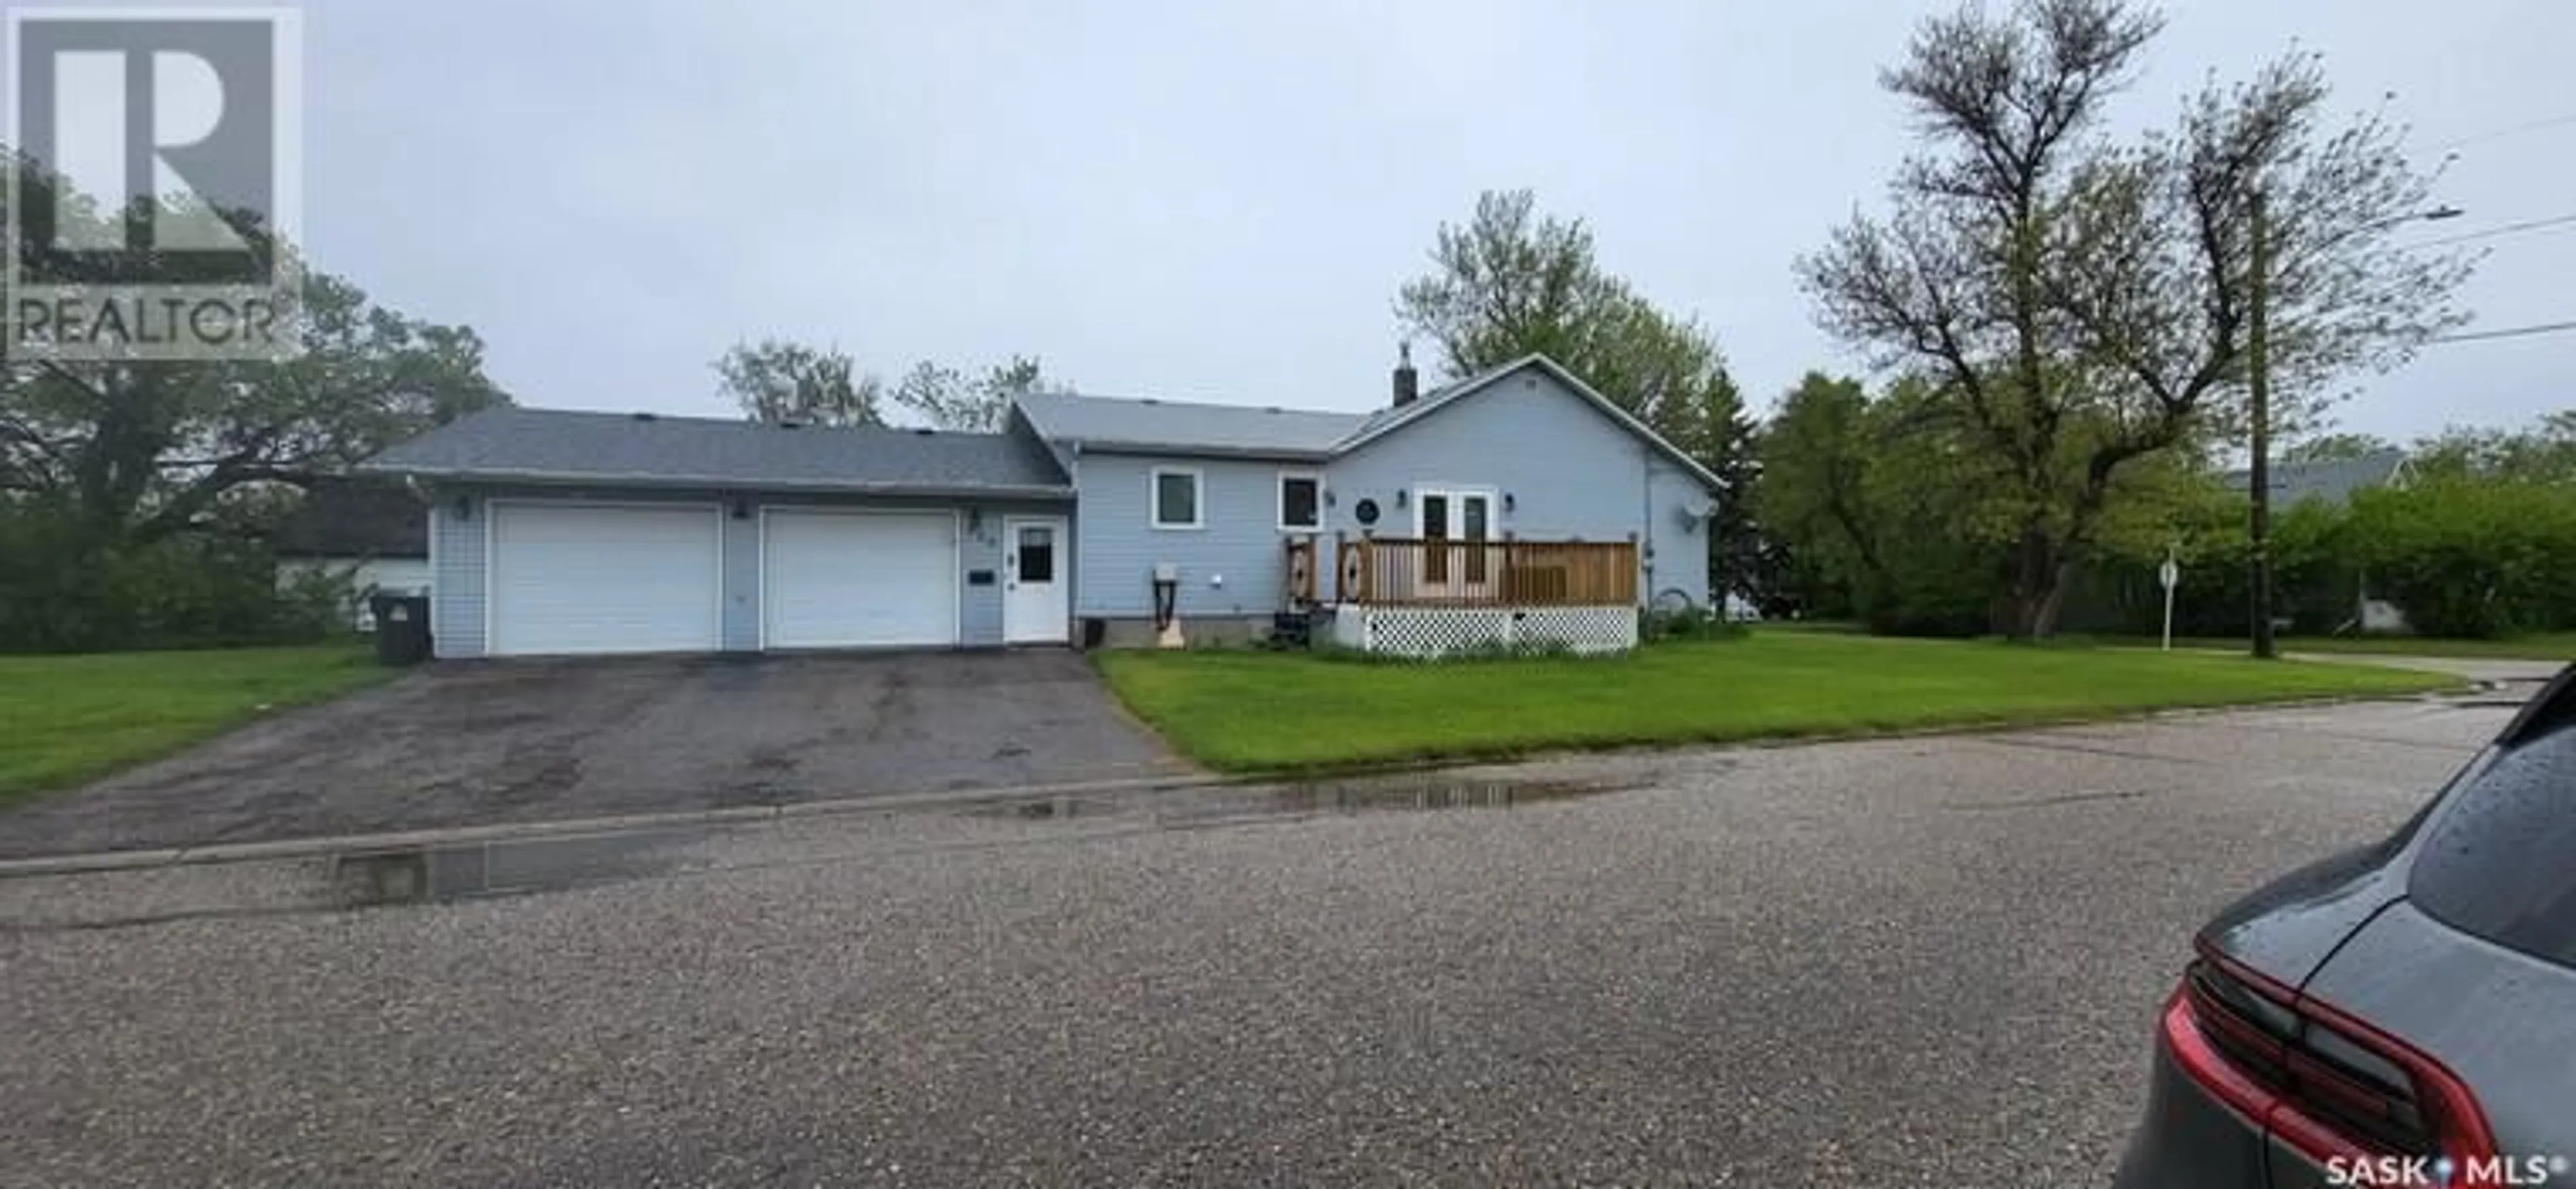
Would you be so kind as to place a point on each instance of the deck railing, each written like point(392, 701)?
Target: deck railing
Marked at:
point(1442, 572)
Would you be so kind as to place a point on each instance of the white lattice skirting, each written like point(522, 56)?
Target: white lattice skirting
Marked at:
point(1443, 631)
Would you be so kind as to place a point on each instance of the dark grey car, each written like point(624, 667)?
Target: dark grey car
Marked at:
point(2404, 1014)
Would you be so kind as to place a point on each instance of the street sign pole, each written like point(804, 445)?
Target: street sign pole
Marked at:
point(2169, 574)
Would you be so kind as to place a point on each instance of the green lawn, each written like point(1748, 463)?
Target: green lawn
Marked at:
point(74, 718)
point(1243, 711)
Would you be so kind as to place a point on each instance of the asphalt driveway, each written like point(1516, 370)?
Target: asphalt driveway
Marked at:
point(519, 741)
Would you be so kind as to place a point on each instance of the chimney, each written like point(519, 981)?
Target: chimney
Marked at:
point(1408, 384)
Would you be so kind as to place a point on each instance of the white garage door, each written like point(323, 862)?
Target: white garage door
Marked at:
point(579, 579)
point(858, 579)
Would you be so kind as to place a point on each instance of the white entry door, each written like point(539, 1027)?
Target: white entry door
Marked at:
point(1457, 529)
point(1034, 606)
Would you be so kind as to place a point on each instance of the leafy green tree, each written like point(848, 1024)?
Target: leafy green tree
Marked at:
point(2174, 502)
point(1815, 458)
point(139, 452)
point(2543, 453)
point(1514, 282)
point(949, 399)
point(133, 494)
point(2081, 305)
point(1886, 510)
point(775, 381)
point(2471, 557)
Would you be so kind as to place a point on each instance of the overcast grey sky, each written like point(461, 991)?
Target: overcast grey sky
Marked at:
point(1218, 200)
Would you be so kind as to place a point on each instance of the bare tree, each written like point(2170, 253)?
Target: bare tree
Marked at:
point(775, 381)
point(949, 399)
point(2080, 305)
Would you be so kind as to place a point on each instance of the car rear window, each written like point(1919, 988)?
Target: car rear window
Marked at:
point(2501, 859)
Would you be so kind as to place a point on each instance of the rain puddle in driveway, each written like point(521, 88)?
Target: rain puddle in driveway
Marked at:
point(1223, 805)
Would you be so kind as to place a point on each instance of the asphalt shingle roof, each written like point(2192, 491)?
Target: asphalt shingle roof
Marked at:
point(2334, 482)
point(549, 445)
point(1180, 425)
point(1306, 434)
point(355, 518)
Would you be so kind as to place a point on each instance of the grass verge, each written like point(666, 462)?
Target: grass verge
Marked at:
point(1259, 712)
point(76, 718)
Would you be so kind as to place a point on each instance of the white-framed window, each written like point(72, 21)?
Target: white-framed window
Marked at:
point(1301, 501)
point(1177, 497)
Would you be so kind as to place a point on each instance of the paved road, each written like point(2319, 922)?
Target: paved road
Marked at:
point(2497, 671)
point(520, 741)
point(1926, 961)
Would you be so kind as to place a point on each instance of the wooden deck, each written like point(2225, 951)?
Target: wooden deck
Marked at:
point(1438, 572)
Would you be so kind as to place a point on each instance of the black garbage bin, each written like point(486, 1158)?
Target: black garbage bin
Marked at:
point(402, 628)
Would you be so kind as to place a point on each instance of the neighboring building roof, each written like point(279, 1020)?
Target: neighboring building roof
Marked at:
point(646, 449)
point(2333, 481)
point(355, 518)
point(1097, 421)
point(1181, 425)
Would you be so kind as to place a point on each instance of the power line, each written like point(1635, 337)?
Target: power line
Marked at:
point(2505, 229)
point(2501, 133)
point(2510, 332)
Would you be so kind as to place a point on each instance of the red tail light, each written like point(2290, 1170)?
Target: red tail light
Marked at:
point(2323, 1082)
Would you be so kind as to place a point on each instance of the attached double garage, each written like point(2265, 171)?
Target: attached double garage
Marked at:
point(521, 575)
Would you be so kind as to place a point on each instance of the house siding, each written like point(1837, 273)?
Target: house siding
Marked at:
point(458, 610)
point(1235, 565)
point(1675, 556)
point(456, 575)
point(738, 622)
point(1571, 472)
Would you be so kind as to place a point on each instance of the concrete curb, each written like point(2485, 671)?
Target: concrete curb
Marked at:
point(97, 862)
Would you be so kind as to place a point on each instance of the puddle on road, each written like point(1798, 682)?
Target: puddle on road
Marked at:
point(441, 874)
point(1309, 798)
point(523, 866)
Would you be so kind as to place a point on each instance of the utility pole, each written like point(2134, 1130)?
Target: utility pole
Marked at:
point(2258, 346)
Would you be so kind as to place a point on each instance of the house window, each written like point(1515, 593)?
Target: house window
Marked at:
point(1037, 553)
point(1176, 498)
point(1301, 502)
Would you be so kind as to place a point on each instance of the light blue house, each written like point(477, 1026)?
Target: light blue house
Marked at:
point(1513, 506)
